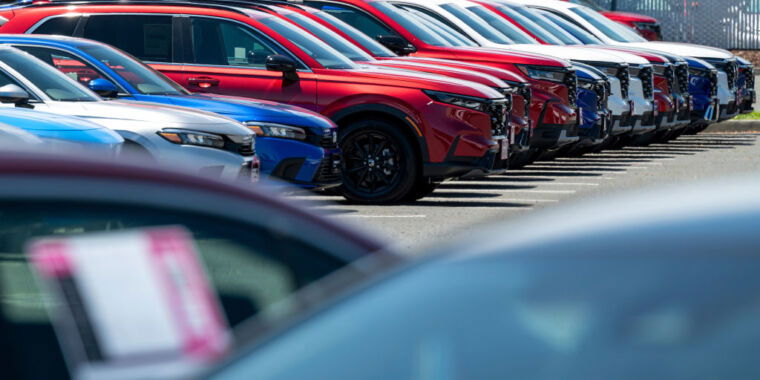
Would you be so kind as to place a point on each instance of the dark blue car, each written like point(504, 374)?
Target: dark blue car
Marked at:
point(293, 144)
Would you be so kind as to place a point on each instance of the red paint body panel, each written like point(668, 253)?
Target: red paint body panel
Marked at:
point(327, 91)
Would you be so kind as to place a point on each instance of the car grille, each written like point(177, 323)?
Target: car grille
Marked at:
point(527, 94)
point(682, 76)
point(499, 111)
point(329, 170)
point(670, 76)
point(625, 80)
point(749, 78)
point(713, 76)
point(571, 81)
point(602, 90)
point(243, 145)
point(732, 71)
point(327, 140)
point(647, 79)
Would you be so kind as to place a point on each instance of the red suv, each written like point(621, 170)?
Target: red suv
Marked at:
point(361, 48)
point(553, 82)
point(401, 132)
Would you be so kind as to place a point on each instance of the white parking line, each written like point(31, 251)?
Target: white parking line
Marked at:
point(380, 216)
point(532, 191)
point(521, 183)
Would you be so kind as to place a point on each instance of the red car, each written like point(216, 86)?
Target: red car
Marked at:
point(553, 82)
point(401, 132)
point(647, 26)
point(337, 34)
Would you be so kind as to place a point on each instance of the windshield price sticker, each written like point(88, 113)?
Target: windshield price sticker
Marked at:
point(132, 304)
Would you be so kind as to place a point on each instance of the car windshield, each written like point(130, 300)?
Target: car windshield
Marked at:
point(610, 28)
point(529, 25)
point(328, 57)
point(544, 23)
point(362, 39)
point(589, 4)
point(56, 85)
point(412, 25)
point(142, 77)
point(334, 40)
point(451, 36)
point(499, 23)
point(571, 30)
point(531, 318)
point(477, 24)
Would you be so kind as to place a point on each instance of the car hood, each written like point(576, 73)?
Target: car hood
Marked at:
point(420, 80)
point(484, 79)
point(689, 50)
point(31, 120)
point(581, 53)
point(243, 109)
point(128, 114)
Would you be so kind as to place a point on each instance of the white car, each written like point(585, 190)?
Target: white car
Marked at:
point(470, 18)
point(204, 142)
point(613, 33)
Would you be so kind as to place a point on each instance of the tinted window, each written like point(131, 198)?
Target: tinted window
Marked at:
point(328, 57)
point(570, 27)
point(45, 78)
point(610, 28)
point(64, 26)
point(546, 24)
point(502, 25)
point(333, 39)
point(74, 67)
point(219, 42)
point(529, 25)
point(354, 17)
point(146, 37)
point(250, 267)
point(476, 23)
point(362, 39)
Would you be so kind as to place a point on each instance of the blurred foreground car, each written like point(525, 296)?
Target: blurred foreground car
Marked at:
point(210, 144)
point(257, 250)
point(293, 144)
point(62, 134)
point(658, 285)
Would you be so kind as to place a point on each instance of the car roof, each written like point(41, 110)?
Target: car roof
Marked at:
point(63, 40)
point(18, 170)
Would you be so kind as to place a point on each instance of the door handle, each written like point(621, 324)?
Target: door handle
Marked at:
point(203, 82)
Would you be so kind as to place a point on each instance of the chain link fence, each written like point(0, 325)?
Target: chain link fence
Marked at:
point(729, 24)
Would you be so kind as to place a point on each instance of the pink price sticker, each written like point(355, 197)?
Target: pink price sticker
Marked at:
point(138, 299)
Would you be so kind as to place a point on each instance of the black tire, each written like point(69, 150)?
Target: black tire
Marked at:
point(380, 163)
point(423, 188)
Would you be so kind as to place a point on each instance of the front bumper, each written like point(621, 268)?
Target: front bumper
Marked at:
point(750, 98)
point(303, 164)
point(549, 136)
point(495, 161)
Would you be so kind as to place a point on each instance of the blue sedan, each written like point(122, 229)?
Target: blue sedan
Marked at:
point(293, 144)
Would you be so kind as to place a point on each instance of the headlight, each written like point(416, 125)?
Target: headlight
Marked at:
point(543, 73)
point(277, 130)
point(186, 137)
point(470, 102)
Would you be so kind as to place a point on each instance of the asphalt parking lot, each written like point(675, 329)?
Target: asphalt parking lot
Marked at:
point(461, 206)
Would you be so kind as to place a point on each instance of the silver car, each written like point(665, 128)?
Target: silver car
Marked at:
point(208, 143)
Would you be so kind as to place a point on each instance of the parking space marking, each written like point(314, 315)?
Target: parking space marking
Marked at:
point(381, 216)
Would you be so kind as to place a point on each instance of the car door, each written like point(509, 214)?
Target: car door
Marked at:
point(229, 58)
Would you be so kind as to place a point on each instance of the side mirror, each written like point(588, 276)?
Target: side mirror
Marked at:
point(103, 87)
point(283, 64)
point(11, 93)
point(396, 44)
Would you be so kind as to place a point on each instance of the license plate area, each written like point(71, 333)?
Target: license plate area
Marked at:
point(504, 149)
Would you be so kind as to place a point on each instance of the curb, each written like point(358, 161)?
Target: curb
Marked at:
point(735, 126)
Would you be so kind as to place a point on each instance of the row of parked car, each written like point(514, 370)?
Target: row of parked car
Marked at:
point(383, 98)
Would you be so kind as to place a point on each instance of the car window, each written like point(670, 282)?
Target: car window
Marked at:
point(6, 79)
point(560, 34)
point(354, 17)
point(336, 41)
point(74, 67)
point(64, 26)
point(45, 78)
point(501, 24)
point(479, 25)
point(529, 25)
point(362, 39)
point(439, 29)
point(219, 42)
point(250, 267)
point(571, 28)
point(144, 36)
